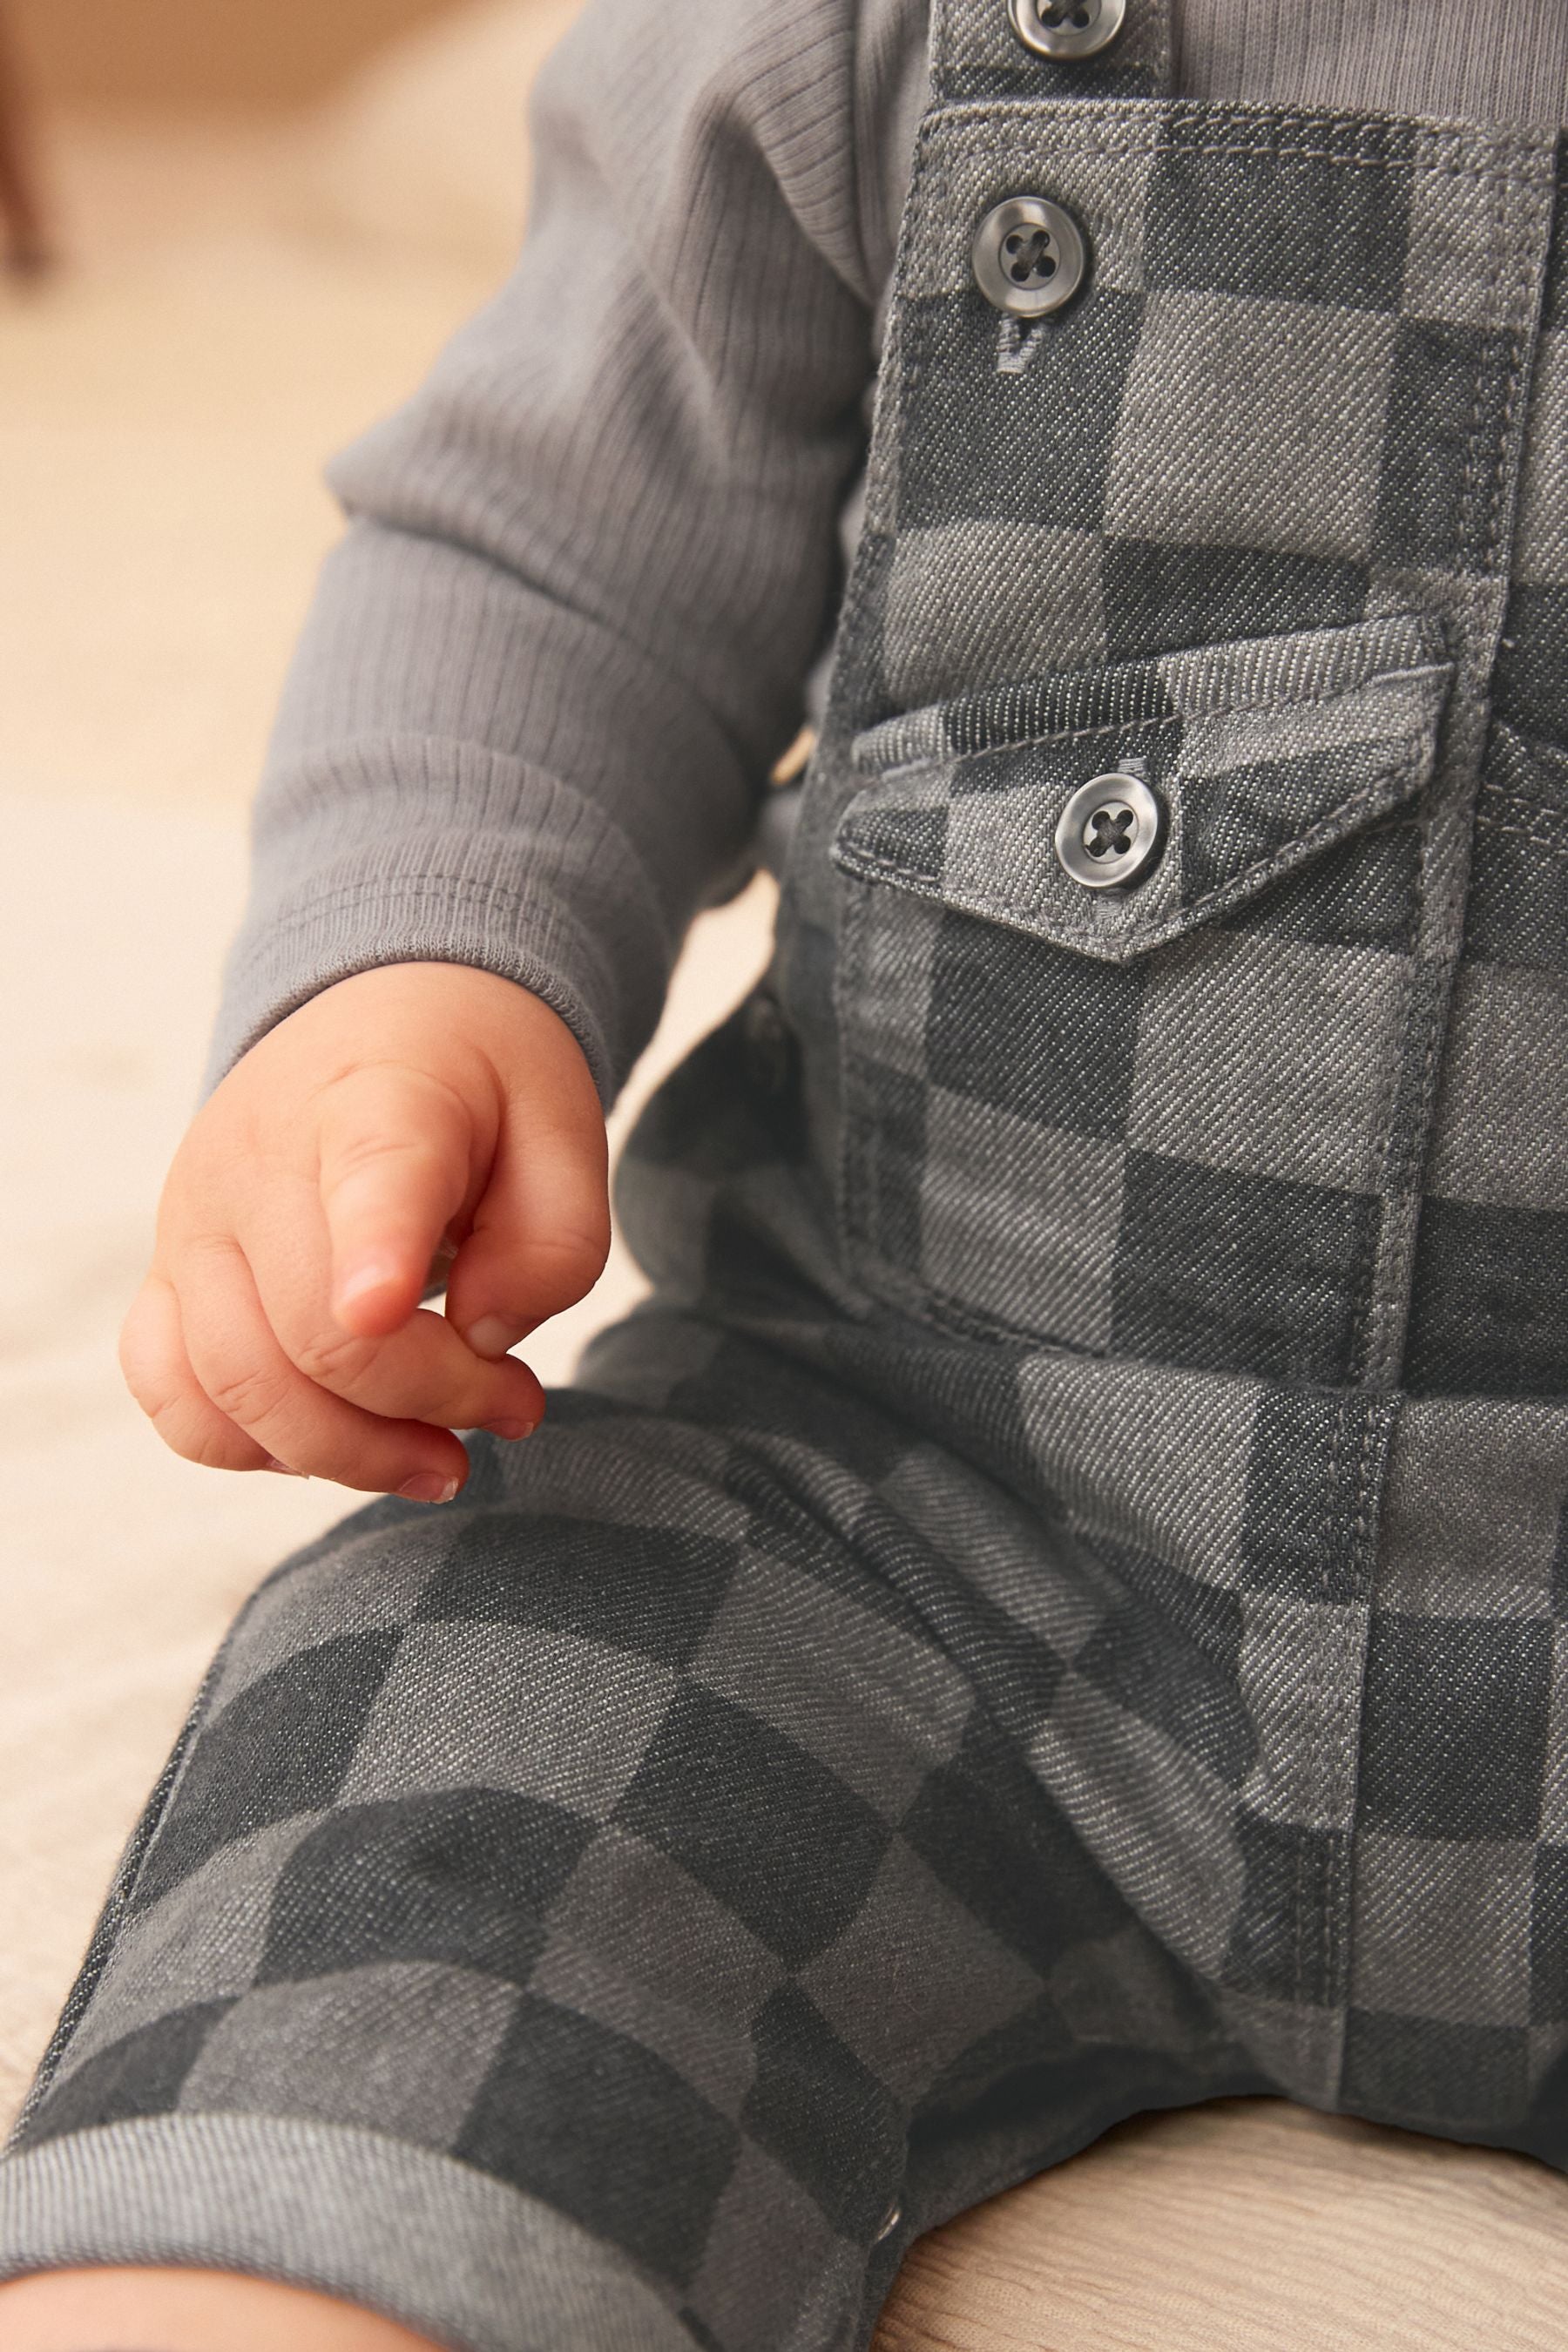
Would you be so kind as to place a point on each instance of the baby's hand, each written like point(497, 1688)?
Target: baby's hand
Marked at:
point(405, 1108)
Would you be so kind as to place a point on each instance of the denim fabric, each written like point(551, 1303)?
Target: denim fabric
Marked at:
point(650, 1835)
point(1055, 1607)
point(1222, 1223)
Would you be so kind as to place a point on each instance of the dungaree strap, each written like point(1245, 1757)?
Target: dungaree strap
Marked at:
point(977, 53)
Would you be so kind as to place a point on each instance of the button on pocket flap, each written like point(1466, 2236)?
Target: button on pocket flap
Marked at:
point(1213, 771)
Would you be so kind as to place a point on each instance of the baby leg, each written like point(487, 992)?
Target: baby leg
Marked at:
point(185, 2311)
point(607, 1911)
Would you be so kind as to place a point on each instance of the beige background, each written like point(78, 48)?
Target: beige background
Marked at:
point(241, 296)
point(136, 53)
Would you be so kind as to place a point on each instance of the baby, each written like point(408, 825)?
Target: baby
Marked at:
point(1051, 1610)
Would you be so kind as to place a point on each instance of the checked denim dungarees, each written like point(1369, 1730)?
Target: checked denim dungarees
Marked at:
point(1058, 1604)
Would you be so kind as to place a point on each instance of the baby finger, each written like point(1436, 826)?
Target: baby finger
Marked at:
point(236, 1358)
point(157, 1371)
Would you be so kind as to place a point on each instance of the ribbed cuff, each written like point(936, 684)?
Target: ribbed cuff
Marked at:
point(482, 861)
point(441, 2247)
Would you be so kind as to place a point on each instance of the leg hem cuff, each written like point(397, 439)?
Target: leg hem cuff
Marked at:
point(416, 2236)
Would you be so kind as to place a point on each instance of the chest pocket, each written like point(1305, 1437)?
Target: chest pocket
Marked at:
point(1146, 1119)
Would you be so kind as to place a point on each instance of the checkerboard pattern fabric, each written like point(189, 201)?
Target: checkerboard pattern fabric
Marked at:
point(1059, 1174)
point(1059, 1603)
point(1491, 1298)
point(652, 1834)
point(1217, 1220)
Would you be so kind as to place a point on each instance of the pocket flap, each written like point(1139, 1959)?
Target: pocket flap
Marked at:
point(1262, 752)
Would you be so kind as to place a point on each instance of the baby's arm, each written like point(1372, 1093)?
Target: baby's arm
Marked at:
point(524, 738)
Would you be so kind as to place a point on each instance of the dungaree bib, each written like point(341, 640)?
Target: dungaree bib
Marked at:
point(1220, 1213)
point(1058, 1605)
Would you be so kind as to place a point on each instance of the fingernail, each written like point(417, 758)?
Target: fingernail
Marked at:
point(510, 1428)
point(272, 1463)
point(371, 1274)
point(491, 1336)
point(430, 1487)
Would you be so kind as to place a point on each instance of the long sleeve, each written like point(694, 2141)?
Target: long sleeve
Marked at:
point(589, 563)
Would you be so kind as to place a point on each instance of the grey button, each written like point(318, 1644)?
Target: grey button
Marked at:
point(1110, 832)
point(1065, 29)
point(1029, 257)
